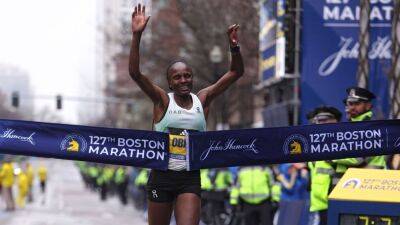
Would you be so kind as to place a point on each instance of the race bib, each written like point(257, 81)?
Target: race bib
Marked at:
point(177, 144)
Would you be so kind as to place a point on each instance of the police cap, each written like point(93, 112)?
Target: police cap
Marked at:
point(357, 94)
point(324, 113)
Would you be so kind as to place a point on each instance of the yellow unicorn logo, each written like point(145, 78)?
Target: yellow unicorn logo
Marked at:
point(295, 148)
point(73, 146)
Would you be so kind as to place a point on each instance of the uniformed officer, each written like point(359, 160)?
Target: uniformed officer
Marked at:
point(321, 171)
point(359, 105)
point(253, 192)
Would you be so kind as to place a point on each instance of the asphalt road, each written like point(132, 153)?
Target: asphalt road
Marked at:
point(67, 202)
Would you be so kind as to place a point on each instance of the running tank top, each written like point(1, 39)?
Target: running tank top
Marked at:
point(175, 121)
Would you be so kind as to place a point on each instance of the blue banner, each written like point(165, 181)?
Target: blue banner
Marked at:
point(149, 149)
point(330, 49)
point(137, 148)
point(271, 39)
point(293, 144)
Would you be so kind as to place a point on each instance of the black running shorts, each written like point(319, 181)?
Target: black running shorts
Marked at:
point(165, 186)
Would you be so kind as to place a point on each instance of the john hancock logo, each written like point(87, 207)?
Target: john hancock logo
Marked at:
point(295, 144)
point(73, 143)
point(352, 183)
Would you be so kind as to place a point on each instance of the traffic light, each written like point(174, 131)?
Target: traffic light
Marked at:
point(15, 99)
point(59, 102)
point(290, 35)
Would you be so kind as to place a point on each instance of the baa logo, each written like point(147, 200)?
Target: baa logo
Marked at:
point(351, 184)
point(295, 144)
point(73, 143)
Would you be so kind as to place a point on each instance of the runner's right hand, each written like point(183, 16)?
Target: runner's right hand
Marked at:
point(139, 19)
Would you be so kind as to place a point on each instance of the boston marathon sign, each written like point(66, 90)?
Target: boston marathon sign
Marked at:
point(127, 147)
point(329, 67)
point(293, 144)
point(150, 149)
point(343, 13)
point(346, 141)
point(94, 144)
point(340, 10)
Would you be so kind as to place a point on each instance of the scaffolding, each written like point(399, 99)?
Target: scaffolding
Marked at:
point(363, 62)
point(394, 78)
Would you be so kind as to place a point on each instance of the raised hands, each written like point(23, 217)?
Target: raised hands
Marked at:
point(139, 19)
point(232, 35)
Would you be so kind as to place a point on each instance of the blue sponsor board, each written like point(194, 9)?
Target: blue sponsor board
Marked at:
point(149, 149)
point(94, 144)
point(268, 35)
point(293, 144)
point(330, 50)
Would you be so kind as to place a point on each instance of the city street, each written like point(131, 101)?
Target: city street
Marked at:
point(68, 202)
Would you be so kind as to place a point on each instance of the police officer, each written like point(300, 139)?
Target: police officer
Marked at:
point(7, 182)
point(321, 171)
point(359, 106)
point(30, 175)
point(121, 181)
point(206, 192)
point(253, 192)
point(140, 182)
point(221, 180)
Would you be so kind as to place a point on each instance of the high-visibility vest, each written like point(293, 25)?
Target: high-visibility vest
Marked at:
point(362, 117)
point(23, 183)
point(141, 179)
point(106, 176)
point(343, 164)
point(321, 181)
point(206, 183)
point(254, 184)
point(42, 171)
point(223, 180)
point(276, 191)
point(373, 162)
point(30, 174)
point(93, 171)
point(120, 175)
point(234, 196)
point(7, 175)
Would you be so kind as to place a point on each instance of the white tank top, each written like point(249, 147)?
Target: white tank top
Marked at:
point(178, 119)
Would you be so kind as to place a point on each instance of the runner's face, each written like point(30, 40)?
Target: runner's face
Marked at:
point(180, 79)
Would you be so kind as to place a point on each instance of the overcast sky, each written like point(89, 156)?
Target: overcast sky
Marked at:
point(55, 42)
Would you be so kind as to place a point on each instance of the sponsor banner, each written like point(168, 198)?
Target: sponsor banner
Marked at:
point(368, 185)
point(137, 148)
point(330, 55)
point(293, 144)
point(272, 43)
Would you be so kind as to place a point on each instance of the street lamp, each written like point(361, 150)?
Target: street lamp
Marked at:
point(216, 58)
point(216, 54)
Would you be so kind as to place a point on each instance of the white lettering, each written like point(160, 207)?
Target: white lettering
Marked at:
point(9, 134)
point(347, 13)
point(230, 145)
point(331, 13)
point(123, 153)
point(94, 150)
point(114, 151)
point(104, 151)
point(150, 154)
point(160, 156)
point(315, 148)
point(140, 153)
point(349, 49)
